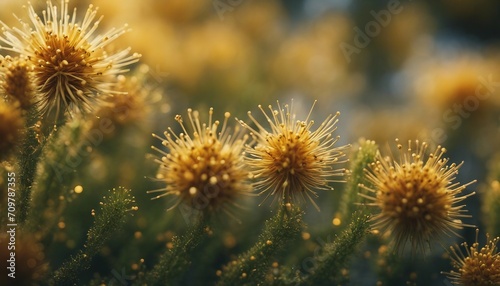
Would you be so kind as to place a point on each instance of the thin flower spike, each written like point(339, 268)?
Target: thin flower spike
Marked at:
point(291, 161)
point(477, 267)
point(415, 196)
point(205, 171)
point(71, 66)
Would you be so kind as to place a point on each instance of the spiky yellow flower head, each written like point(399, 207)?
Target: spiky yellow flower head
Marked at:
point(416, 196)
point(206, 170)
point(11, 124)
point(16, 81)
point(71, 66)
point(128, 106)
point(291, 161)
point(477, 267)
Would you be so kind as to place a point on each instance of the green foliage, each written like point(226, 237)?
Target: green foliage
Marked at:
point(61, 155)
point(28, 160)
point(360, 159)
point(336, 254)
point(250, 267)
point(491, 200)
point(175, 260)
point(114, 209)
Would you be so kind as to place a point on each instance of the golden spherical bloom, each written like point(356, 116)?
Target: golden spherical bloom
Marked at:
point(416, 196)
point(206, 170)
point(477, 267)
point(130, 105)
point(11, 124)
point(16, 80)
point(71, 67)
point(291, 161)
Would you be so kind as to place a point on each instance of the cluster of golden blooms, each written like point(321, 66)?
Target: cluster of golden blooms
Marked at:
point(212, 167)
point(70, 64)
point(416, 197)
point(477, 267)
point(207, 52)
point(311, 62)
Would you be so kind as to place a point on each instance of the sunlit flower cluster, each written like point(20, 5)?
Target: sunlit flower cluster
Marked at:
point(478, 266)
point(70, 64)
point(203, 167)
point(290, 160)
point(415, 196)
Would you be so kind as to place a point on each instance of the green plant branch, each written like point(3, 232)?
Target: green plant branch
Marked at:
point(360, 160)
point(54, 172)
point(336, 254)
point(114, 209)
point(28, 160)
point(175, 260)
point(250, 267)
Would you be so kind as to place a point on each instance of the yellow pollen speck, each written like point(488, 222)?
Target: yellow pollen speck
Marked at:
point(213, 180)
point(61, 225)
point(138, 235)
point(306, 236)
point(269, 242)
point(193, 191)
point(78, 189)
point(188, 176)
point(336, 221)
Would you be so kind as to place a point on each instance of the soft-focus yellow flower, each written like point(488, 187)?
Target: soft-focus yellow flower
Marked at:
point(11, 124)
point(16, 76)
point(415, 196)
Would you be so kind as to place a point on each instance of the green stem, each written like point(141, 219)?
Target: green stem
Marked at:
point(335, 255)
point(250, 267)
point(176, 259)
point(111, 218)
point(56, 171)
point(29, 156)
point(360, 160)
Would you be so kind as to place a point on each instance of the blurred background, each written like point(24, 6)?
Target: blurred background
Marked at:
point(405, 69)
